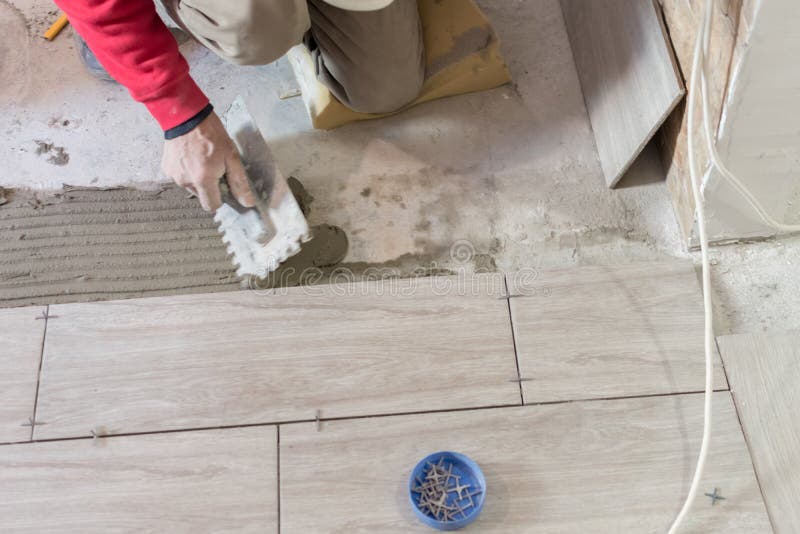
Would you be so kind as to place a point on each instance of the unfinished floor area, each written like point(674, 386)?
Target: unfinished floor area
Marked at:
point(512, 171)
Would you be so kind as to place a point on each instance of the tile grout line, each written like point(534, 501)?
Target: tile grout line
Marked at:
point(39, 372)
point(722, 364)
point(752, 462)
point(744, 436)
point(360, 417)
point(272, 423)
point(278, 436)
point(514, 340)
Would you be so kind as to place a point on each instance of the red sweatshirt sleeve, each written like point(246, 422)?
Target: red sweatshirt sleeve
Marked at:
point(136, 48)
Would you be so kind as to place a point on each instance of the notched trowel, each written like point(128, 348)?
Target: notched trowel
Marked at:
point(262, 237)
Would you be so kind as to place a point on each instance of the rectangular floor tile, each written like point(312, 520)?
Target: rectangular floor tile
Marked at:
point(600, 332)
point(764, 372)
point(597, 466)
point(20, 349)
point(205, 481)
point(246, 357)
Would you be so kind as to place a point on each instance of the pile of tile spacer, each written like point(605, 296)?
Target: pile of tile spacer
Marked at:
point(441, 494)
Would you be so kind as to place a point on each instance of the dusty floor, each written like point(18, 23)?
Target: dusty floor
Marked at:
point(757, 286)
point(508, 177)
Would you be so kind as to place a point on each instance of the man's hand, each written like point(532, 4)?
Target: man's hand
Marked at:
point(198, 159)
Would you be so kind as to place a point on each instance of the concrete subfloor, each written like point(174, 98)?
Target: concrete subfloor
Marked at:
point(511, 172)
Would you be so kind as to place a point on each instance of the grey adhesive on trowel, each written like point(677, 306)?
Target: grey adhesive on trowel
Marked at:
point(327, 248)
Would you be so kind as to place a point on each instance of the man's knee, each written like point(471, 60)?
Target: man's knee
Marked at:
point(264, 30)
point(244, 32)
point(386, 94)
point(373, 61)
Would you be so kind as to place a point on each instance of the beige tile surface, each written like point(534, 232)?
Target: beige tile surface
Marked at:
point(205, 481)
point(245, 357)
point(629, 78)
point(20, 349)
point(764, 371)
point(600, 332)
point(602, 466)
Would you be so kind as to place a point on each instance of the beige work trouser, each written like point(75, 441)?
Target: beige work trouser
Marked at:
point(373, 61)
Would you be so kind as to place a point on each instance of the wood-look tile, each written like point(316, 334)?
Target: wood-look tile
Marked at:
point(629, 77)
point(204, 481)
point(764, 372)
point(602, 332)
point(20, 350)
point(596, 466)
point(198, 361)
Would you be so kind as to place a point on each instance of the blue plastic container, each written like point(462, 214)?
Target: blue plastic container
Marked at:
point(470, 474)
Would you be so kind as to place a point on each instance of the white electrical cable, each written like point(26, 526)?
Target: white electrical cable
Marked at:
point(700, 70)
point(701, 227)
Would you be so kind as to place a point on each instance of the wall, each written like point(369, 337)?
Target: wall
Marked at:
point(682, 19)
point(759, 133)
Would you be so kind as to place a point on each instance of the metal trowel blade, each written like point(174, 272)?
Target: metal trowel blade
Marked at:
point(262, 237)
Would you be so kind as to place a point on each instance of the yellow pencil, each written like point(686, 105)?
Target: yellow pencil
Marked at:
point(56, 28)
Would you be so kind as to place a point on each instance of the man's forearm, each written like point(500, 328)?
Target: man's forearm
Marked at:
point(138, 50)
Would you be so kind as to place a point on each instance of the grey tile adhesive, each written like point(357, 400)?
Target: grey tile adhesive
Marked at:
point(88, 244)
point(83, 244)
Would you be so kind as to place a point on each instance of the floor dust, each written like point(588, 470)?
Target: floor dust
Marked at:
point(56, 155)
